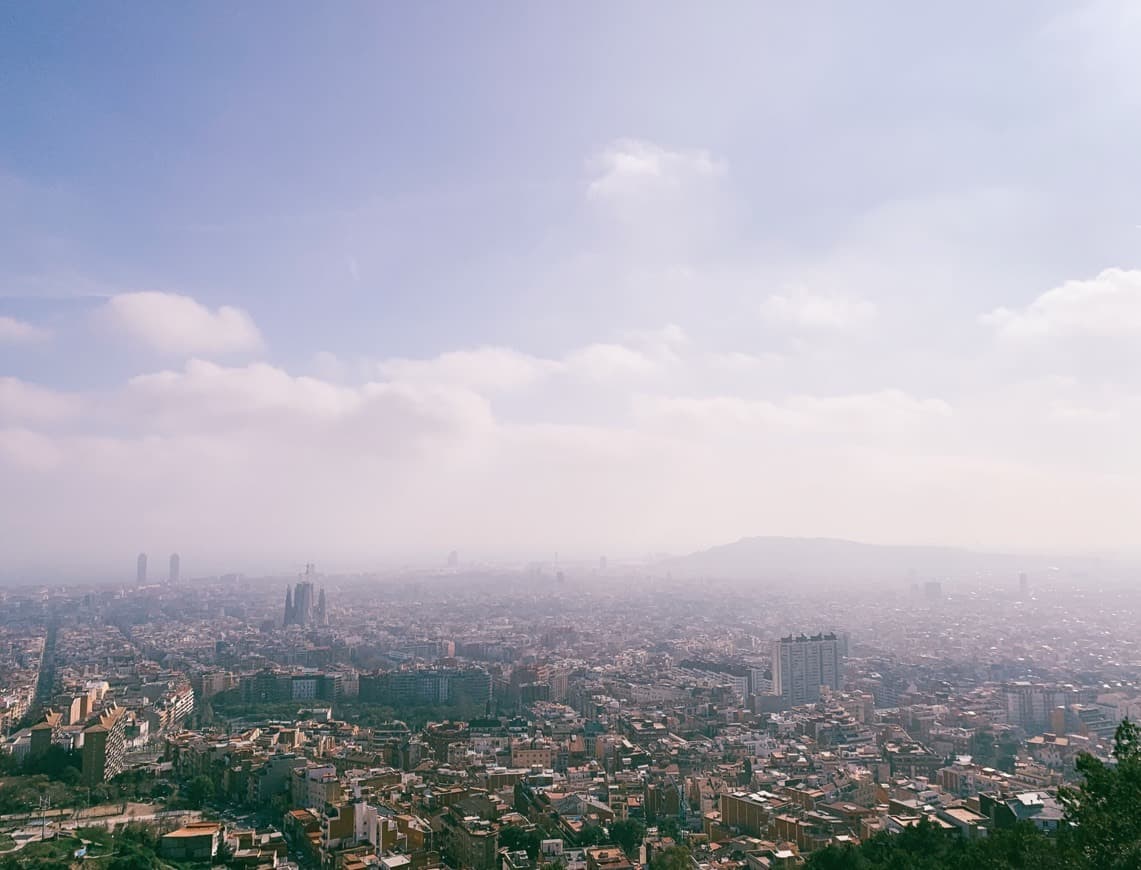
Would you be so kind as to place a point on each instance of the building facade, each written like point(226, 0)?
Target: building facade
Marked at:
point(104, 747)
point(802, 665)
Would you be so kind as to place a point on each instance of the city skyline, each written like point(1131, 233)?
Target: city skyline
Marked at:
point(603, 717)
point(755, 559)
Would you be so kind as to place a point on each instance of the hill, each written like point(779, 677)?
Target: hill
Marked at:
point(836, 559)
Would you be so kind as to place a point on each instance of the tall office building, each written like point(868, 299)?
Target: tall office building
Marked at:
point(801, 665)
point(175, 566)
point(141, 569)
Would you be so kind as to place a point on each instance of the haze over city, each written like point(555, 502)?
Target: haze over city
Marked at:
point(368, 283)
point(570, 436)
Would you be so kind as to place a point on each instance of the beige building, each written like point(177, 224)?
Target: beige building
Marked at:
point(532, 753)
point(104, 746)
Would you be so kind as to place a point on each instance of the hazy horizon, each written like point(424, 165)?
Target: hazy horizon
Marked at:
point(363, 283)
point(733, 561)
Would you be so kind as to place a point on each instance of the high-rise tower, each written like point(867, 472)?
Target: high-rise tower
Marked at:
point(175, 568)
point(288, 606)
point(141, 569)
point(802, 665)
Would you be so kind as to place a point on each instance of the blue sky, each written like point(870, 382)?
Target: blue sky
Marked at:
point(865, 271)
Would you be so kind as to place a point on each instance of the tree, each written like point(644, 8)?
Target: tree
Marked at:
point(1007, 755)
point(225, 853)
point(1105, 810)
point(925, 847)
point(669, 826)
point(838, 858)
point(628, 834)
point(515, 838)
point(1020, 846)
point(673, 858)
point(9, 764)
point(983, 748)
point(591, 835)
point(134, 848)
point(199, 791)
point(132, 859)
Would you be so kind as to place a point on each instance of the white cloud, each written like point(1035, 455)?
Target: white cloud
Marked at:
point(736, 361)
point(206, 389)
point(22, 401)
point(880, 410)
point(492, 368)
point(717, 411)
point(1084, 415)
point(208, 398)
point(804, 310)
point(664, 345)
point(13, 330)
point(27, 451)
point(632, 165)
point(603, 361)
point(501, 369)
point(176, 324)
point(883, 406)
point(1107, 306)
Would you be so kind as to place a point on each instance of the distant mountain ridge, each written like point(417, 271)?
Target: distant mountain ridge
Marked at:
point(836, 559)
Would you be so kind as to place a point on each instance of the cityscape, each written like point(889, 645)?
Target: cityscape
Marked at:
point(591, 435)
point(571, 715)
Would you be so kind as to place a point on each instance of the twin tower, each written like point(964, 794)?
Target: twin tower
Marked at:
point(141, 569)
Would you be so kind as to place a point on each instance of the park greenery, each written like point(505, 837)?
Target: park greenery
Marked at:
point(21, 793)
point(131, 847)
point(672, 858)
point(231, 705)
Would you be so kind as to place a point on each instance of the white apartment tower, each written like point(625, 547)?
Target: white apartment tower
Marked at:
point(802, 665)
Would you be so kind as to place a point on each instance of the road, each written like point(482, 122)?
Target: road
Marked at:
point(45, 685)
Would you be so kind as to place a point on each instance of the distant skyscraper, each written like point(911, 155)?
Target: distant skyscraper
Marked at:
point(453, 559)
point(141, 569)
point(288, 606)
point(322, 613)
point(301, 610)
point(801, 665)
point(175, 565)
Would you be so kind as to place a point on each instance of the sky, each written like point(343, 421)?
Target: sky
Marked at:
point(358, 283)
